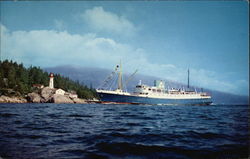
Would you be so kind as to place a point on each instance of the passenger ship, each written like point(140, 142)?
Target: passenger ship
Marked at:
point(153, 95)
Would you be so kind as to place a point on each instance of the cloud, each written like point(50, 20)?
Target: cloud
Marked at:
point(104, 21)
point(48, 48)
point(59, 24)
point(51, 47)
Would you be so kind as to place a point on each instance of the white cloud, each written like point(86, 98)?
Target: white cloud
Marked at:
point(101, 20)
point(50, 48)
point(59, 24)
point(47, 48)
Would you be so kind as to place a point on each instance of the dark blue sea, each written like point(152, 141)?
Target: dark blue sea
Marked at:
point(96, 131)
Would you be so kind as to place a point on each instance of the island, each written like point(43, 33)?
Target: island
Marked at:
point(21, 85)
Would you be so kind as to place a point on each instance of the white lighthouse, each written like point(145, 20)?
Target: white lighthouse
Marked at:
point(51, 80)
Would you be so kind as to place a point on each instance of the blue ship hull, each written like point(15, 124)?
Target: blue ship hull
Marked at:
point(106, 97)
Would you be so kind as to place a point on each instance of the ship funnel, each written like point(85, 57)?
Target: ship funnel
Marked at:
point(159, 84)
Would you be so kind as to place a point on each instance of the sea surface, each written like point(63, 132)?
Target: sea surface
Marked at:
point(95, 131)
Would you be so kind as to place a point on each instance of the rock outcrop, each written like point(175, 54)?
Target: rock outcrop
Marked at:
point(78, 100)
point(34, 97)
point(58, 98)
point(6, 99)
point(46, 94)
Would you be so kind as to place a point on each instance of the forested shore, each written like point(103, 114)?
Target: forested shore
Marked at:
point(18, 81)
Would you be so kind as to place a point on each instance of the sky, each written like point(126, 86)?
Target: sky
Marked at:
point(159, 38)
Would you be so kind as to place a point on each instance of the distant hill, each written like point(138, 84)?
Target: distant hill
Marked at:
point(94, 77)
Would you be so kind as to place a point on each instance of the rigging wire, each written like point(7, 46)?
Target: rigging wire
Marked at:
point(113, 82)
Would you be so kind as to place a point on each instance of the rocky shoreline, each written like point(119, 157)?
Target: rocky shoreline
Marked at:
point(45, 95)
point(14, 99)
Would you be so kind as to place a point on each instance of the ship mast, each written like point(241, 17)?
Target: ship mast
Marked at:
point(188, 78)
point(120, 77)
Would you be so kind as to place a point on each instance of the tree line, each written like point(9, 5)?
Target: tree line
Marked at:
point(17, 80)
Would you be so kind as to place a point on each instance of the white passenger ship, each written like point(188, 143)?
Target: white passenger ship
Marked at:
point(156, 94)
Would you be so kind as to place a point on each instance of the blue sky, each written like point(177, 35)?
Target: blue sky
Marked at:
point(160, 38)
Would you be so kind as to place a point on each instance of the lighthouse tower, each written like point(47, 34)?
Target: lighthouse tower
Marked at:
point(51, 80)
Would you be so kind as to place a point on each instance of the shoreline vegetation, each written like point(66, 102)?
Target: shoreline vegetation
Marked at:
point(29, 85)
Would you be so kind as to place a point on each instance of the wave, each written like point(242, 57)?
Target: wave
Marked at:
point(80, 115)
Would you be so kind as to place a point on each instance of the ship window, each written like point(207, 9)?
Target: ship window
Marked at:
point(138, 86)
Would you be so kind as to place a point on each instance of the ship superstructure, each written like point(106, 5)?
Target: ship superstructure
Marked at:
point(144, 94)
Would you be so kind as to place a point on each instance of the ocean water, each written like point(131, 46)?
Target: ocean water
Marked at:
point(123, 131)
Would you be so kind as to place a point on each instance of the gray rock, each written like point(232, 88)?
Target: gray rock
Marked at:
point(34, 97)
point(5, 99)
point(57, 98)
point(78, 100)
point(46, 94)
